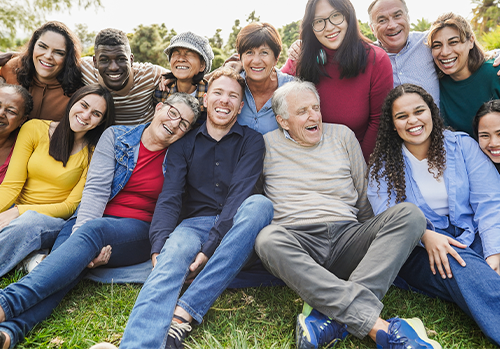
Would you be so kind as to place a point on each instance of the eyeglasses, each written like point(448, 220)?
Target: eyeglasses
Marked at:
point(336, 18)
point(174, 114)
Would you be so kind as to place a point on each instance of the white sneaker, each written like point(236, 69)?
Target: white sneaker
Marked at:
point(32, 260)
point(103, 346)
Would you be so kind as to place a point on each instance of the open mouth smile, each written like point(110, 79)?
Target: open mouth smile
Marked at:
point(394, 34)
point(222, 110)
point(80, 121)
point(45, 64)
point(169, 131)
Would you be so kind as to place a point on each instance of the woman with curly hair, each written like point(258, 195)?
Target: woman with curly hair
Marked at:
point(351, 75)
point(466, 78)
point(449, 178)
point(49, 68)
point(486, 128)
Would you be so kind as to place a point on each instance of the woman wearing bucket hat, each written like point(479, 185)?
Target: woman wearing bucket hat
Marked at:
point(190, 58)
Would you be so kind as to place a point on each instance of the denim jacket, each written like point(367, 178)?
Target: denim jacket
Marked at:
point(112, 164)
point(473, 193)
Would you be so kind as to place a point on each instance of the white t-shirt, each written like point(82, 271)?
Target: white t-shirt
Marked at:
point(433, 190)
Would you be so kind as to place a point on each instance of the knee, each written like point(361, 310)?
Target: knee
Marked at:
point(258, 204)
point(411, 216)
point(267, 241)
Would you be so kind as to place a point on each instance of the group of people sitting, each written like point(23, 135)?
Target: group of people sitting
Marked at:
point(358, 173)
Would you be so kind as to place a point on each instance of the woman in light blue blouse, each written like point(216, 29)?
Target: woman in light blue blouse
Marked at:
point(449, 178)
point(259, 47)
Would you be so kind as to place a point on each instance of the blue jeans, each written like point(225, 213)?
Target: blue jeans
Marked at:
point(150, 319)
point(33, 298)
point(475, 288)
point(29, 232)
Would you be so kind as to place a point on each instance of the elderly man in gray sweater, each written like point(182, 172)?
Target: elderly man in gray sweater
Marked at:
point(323, 241)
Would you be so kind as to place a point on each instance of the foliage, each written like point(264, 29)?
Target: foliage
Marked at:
point(26, 15)
point(216, 40)
point(491, 40)
point(486, 15)
point(86, 39)
point(148, 42)
point(230, 47)
point(365, 29)
point(421, 26)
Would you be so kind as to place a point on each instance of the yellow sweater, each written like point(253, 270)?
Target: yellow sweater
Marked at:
point(35, 181)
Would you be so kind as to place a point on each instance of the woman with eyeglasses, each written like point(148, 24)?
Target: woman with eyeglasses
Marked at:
point(123, 183)
point(352, 76)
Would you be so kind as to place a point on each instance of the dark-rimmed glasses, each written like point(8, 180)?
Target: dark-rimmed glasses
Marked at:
point(174, 114)
point(336, 18)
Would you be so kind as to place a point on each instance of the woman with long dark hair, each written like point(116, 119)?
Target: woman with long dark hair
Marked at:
point(449, 178)
point(466, 79)
point(49, 68)
point(45, 179)
point(352, 76)
point(486, 128)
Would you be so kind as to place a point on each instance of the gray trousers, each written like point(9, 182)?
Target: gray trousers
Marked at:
point(343, 269)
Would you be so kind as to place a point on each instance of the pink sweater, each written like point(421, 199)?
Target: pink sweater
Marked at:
point(355, 102)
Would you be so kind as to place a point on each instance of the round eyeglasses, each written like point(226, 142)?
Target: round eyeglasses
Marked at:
point(336, 18)
point(174, 114)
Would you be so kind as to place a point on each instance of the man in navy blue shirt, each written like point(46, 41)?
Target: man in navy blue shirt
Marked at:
point(211, 173)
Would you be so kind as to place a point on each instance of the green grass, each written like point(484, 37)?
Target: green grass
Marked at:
point(240, 319)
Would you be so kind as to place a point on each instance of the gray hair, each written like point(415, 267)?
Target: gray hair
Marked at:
point(374, 2)
point(25, 95)
point(279, 103)
point(187, 99)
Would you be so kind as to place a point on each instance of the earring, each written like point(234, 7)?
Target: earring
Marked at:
point(321, 57)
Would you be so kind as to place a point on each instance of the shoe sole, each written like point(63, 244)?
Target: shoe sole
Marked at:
point(299, 334)
point(418, 326)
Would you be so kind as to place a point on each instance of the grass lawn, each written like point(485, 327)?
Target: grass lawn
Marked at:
point(246, 318)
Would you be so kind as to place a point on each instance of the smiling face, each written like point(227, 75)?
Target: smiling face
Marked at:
point(450, 54)
point(49, 55)
point(390, 24)
point(489, 135)
point(304, 118)
point(114, 64)
point(87, 113)
point(223, 101)
point(11, 111)
point(412, 120)
point(258, 62)
point(166, 130)
point(186, 63)
point(332, 35)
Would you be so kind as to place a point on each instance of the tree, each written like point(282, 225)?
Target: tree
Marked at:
point(216, 40)
point(86, 38)
point(290, 33)
point(486, 15)
point(252, 17)
point(421, 26)
point(365, 29)
point(147, 44)
point(491, 40)
point(26, 15)
point(230, 47)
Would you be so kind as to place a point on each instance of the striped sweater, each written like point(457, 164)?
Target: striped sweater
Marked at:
point(134, 103)
point(316, 184)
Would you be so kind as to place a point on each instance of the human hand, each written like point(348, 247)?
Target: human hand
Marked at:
point(438, 246)
point(5, 57)
point(102, 258)
point(199, 263)
point(294, 50)
point(494, 262)
point(164, 82)
point(8, 216)
point(234, 62)
point(153, 259)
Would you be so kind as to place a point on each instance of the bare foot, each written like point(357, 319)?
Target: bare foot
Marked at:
point(102, 259)
point(6, 343)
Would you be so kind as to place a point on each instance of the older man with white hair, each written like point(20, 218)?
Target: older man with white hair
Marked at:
point(323, 241)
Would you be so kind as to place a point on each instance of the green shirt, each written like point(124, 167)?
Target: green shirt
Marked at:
point(460, 100)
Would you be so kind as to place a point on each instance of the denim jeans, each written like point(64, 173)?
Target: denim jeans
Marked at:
point(33, 298)
point(29, 232)
point(475, 288)
point(150, 319)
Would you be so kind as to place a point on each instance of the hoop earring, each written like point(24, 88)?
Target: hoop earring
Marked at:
point(321, 57)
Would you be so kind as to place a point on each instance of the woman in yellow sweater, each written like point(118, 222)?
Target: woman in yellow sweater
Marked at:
point(45, 179)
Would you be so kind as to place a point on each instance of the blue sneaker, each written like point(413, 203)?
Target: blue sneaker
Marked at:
point(315, 329)
point(405, 334)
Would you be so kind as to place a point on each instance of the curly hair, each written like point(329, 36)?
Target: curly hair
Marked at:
point(70, 76)
point(111, 37)
point(386, 161)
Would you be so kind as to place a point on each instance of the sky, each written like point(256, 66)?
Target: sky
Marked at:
point(204, 17)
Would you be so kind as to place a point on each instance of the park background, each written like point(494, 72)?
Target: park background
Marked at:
point(240, 319)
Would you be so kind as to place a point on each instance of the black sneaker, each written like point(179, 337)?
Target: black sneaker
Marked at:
point(176, 334)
